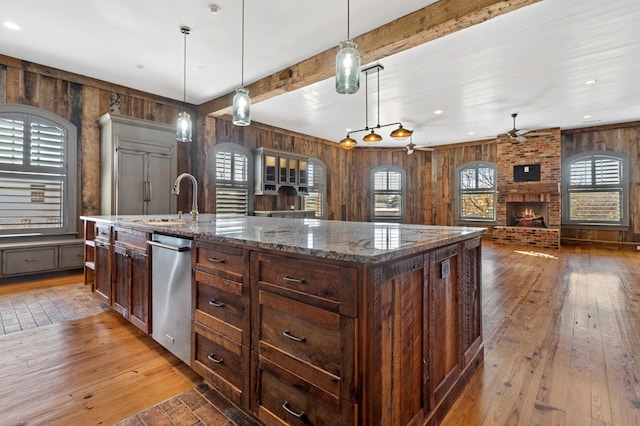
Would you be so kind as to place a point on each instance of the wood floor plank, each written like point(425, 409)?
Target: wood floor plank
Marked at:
point(96, 364)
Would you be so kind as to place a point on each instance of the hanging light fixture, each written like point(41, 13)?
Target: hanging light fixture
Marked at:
point(347, 65)
point(399, 134)
point(241, 100)
point(183, 127)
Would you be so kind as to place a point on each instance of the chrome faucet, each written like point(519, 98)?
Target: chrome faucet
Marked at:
point(194, 203)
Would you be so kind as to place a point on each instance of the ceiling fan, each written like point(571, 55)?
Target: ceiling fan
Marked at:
point(410, 148)
point(519, 135)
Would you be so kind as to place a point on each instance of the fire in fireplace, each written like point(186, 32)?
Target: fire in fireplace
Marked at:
point(528, 214)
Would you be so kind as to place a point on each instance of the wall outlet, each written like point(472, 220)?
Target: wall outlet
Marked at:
point(638, 248)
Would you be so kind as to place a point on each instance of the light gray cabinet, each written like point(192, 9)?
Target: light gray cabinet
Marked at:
point(138, 166)
point(29, 257)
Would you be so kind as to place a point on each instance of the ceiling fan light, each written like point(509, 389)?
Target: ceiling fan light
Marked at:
point(401, 133)
point(348, 143)
point(372, 137)
point(347, 68)
point(241, 107)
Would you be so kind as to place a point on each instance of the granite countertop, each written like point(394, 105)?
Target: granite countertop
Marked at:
point(362, 242)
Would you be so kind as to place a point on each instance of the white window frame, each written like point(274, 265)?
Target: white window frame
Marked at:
point(29, 170)
point(317, 188)
point(622, 187)
point(461, 192)
point(222, 184)
point(402, 192)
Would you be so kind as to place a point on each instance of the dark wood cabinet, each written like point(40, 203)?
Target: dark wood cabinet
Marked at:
point(121, 274)
point(221, 302)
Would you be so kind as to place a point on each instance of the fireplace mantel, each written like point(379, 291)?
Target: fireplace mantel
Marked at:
point(529, 188)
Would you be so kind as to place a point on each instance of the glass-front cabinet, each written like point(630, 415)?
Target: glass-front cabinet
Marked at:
point(275, 169)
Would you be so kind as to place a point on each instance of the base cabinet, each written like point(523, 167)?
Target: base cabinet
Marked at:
point(298, 340)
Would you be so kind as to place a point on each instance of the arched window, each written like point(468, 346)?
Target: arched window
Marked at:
point(315, 199)
point(232, 179)
point(476, 196)
point(596, 188)
point(38, 172)
point(388, 193)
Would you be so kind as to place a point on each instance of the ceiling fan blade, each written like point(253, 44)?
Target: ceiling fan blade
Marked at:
point(534, 133)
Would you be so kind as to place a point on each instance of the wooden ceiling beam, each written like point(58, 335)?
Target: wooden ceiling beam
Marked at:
point(429, 23)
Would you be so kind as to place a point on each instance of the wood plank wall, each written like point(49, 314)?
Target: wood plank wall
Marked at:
point(430, 175)
point(347, 171)
point(82, 101)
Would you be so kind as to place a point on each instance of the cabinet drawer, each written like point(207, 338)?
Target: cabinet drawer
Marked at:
point(103, 232)
point(285, 398)
point(131, 238)
point(330, 286)
point(29, 260)
point(232, 262)
point(225, 364)
point(71, 256)
point(309, 341)
point(223, 305)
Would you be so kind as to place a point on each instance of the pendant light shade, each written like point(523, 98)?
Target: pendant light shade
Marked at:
point(401, 133)
point(347, 68)
point(241, 107)
point(348, 143)
point(372, 137)
point(347, 65)
point(183, 126)
point(183, 129)
point(241, 100)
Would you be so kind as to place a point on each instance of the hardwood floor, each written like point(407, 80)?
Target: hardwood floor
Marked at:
point(562, 339)
point(562, 347)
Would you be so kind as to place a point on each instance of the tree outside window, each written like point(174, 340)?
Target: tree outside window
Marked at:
point(477, 192)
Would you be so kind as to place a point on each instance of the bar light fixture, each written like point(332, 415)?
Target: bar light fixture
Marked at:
point(399, 134)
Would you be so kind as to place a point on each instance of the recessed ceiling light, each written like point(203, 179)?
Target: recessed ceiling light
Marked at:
point(438, 111)
point(215, 9)
point(587, 116)
point(590, 82)
point(472, 133)
point(11, 25)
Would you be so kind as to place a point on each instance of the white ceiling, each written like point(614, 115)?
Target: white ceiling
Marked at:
point(533, 61)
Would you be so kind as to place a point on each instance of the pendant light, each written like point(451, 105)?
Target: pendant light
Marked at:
point(183, 126)
point(241, 100)
point(372, 137)
point(347, 65)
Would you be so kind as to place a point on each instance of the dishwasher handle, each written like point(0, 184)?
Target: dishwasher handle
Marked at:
point(168, 246)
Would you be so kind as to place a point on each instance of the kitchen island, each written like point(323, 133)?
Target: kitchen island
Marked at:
point(307, 321)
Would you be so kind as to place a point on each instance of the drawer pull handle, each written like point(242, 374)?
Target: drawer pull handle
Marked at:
point(292, 337)
point(299, 415)
point(212, 358)
point(216, 260)
point(30, 260)
point(293, 280)
point(213, 302)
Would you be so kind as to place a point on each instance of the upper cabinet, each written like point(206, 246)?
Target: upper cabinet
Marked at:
point(138, 166)
point(275, 169)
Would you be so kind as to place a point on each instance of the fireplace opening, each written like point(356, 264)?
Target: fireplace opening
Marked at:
point(528, 214)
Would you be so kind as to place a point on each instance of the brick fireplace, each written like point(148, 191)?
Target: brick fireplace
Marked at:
point(529, 176)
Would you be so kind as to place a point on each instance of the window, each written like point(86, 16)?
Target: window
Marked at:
point(232, 179)
point(37, 172)
point(596, 189)
point(476, 200)
point(388, 193)
point(315, 198)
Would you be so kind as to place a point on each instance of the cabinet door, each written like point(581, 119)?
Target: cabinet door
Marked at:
point(103, 271)
point(139, 290)
point(270, 168)
point(130, 189)
point(443, 331)
point(283, 169)
point(121, 280)
point(160, 178)
point(471, 299)
point(303, 165)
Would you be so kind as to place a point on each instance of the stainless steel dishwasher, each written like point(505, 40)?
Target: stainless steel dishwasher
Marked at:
point(171, 294)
